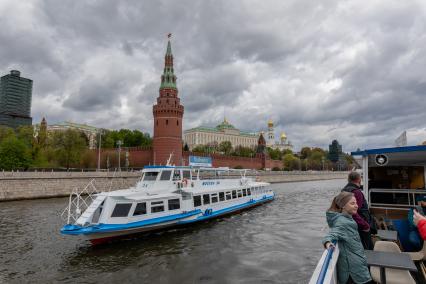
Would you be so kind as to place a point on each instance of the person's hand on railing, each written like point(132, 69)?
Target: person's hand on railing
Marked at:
point(329, 245)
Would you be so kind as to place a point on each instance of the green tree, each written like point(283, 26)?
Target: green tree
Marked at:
point(275, 154)
point(107, 139)
point(41, 157)
point(242, 151)
point(14, 154)
point(6, 132)
point(290, 162)
point(225, 147)
point(26, 135)
point(305, 152)
point(199, 149)
point(130, 138)
point(68, 145)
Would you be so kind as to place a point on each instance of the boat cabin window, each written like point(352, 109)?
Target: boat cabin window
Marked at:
point(176, 175)
point(174, 204)
point(240, 194)
point(197, 200)
point(395, 185)
point(206, 199)
point(140, 209)
point(157, 206)
point(121, 210)
point(248, 191)
point(244, 192)
point(186, 174)
point(221, 196)
point(396, 177)
point(205, 174)
point(234, 194)
point(194, 174)
point(214, 198)
point(165, 175)
point(228, 195)
point(150, 176)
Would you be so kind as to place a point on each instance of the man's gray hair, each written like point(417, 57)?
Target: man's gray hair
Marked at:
point(353, 176)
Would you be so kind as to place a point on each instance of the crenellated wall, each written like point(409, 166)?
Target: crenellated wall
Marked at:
point(142, 156)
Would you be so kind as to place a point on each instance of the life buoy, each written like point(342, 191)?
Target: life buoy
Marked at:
point(185, 182)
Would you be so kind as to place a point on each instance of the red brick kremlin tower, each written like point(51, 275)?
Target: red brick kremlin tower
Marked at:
point(168, 114)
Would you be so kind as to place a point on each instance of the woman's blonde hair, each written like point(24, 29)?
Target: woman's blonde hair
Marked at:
point(340, 201)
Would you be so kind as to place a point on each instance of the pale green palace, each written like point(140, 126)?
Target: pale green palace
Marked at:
point(223, 132)
point(89, 131)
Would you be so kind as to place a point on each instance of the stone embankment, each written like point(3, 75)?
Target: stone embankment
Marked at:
point(32, 185)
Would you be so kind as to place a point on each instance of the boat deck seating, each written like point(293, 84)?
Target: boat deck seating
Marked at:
point(393, 276)
point(419, 257)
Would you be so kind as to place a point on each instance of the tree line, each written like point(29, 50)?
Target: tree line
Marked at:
point(27, 147)
point(309, 158)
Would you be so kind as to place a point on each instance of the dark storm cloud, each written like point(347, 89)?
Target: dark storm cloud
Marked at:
point(93, 96)
point(211, 88)
point(325, 70)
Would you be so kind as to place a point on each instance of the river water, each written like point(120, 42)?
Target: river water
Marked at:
point(279, 242)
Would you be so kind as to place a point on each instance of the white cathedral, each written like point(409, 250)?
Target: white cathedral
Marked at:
point(282, 144)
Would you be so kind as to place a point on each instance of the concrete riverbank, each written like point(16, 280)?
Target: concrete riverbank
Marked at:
point(33, 185)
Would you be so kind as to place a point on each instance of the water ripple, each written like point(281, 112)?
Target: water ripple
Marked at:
point(275, 243)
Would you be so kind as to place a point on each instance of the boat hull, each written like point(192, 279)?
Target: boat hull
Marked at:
point(106, 237)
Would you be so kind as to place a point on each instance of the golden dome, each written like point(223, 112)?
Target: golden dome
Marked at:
point(283, 136)
point(270, 123)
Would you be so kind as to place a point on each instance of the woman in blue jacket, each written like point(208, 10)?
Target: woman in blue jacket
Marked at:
point(352, 263)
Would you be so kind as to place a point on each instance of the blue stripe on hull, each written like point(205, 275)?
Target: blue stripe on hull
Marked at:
point(104, 228)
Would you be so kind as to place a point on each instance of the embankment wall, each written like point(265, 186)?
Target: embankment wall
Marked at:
point(32, 185)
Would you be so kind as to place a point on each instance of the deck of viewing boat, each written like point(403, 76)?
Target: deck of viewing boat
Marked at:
point(394, 181)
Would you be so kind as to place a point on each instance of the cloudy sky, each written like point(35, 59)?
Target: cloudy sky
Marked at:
point(354, 71)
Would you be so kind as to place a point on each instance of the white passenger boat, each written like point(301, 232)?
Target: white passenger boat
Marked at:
point(165, 196)
point(394, 182)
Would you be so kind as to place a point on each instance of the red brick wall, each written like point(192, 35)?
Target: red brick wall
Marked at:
point(232, 162)
point(142, 156)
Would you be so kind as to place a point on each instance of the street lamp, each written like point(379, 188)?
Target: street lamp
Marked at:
point(119, 143)
point(99, 150)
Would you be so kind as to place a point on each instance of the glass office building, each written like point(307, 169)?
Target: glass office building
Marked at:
point(15, 100)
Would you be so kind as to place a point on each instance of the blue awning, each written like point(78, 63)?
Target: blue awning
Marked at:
point(404, 149)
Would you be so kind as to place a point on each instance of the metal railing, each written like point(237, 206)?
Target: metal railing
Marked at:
point(325, 272)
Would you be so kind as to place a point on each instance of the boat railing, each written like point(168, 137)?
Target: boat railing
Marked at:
point(403, 204)
point(325, 271)
point(114, 178)
point(79, 201)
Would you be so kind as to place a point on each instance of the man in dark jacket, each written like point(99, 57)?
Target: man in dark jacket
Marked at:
point(362, 218)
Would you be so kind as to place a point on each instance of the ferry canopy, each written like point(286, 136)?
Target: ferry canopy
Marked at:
point(395, 156)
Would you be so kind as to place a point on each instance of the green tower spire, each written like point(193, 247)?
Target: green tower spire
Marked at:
point(168, 79)
point(169, 48)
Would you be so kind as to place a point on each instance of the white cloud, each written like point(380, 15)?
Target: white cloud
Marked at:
point(322, 71)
